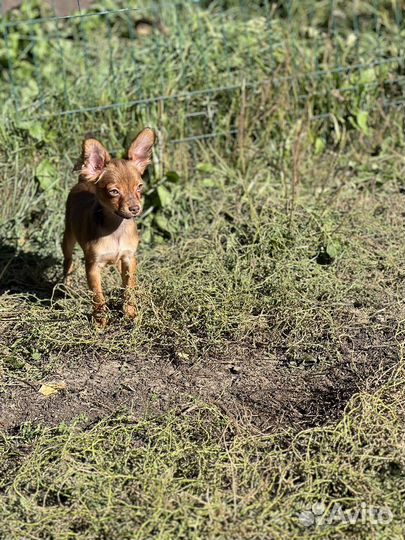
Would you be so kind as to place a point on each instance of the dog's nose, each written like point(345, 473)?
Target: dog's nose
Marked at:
point(134, 209)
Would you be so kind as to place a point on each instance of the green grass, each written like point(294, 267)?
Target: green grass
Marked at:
point(264, 373)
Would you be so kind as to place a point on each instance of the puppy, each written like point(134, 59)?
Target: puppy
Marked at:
point(100, 212)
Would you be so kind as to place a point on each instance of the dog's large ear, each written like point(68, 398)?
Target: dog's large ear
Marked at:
point(93, 161)
point(140, 151)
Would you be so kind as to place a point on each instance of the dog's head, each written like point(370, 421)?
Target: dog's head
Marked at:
point(118, 182)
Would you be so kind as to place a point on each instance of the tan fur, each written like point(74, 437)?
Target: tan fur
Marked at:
point(99, 216)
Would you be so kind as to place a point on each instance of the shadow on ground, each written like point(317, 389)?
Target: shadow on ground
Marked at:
point(27, 272)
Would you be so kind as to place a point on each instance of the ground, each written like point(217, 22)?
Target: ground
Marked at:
point(246, 381)
point(259, 391)
point(250, 338)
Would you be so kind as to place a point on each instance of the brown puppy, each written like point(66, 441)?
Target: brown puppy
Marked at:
point(99, 216)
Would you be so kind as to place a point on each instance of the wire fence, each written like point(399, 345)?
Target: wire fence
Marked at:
point(184, 66)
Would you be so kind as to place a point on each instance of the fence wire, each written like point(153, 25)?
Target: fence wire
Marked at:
point(185, 65)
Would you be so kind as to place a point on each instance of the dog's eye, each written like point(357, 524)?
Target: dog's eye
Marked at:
point(140, 187)
point(113, 192)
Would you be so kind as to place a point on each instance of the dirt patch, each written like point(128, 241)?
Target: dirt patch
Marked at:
point(245, 382)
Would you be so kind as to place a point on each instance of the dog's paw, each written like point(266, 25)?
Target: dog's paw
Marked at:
point(100, 322)
point(100, 317)
point(129, 311)
point(67, 280)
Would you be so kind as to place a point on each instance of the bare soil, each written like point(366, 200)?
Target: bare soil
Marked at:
point(260, 386)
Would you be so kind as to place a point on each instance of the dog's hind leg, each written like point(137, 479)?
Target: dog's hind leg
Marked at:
point(68, 244)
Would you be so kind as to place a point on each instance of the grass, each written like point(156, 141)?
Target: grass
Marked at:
point(194, 473)
point(264, 373)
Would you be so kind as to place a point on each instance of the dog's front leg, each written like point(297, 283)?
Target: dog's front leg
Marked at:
point(94, 280)
point(128, 271)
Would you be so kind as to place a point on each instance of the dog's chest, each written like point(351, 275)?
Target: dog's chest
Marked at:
point(117, 246)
